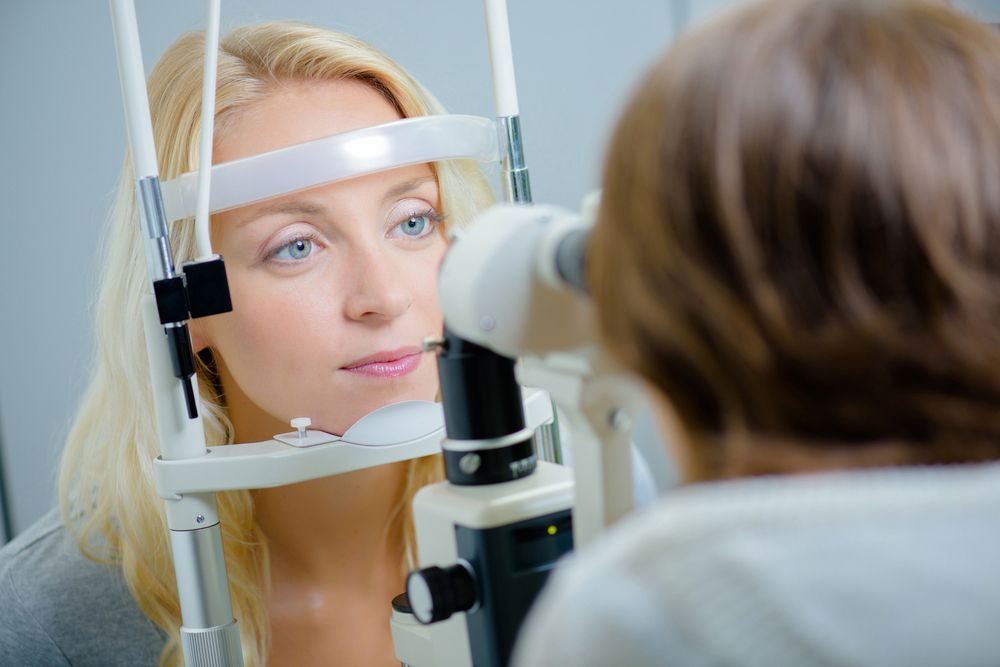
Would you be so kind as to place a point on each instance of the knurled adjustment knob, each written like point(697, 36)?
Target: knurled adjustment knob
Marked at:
point(435, 593)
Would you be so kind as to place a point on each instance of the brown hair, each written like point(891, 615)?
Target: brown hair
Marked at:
point(799, 238)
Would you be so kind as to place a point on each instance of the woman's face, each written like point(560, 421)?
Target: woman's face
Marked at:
point(333, 288)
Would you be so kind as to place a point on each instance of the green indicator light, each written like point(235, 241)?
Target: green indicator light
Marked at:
point(552, 530)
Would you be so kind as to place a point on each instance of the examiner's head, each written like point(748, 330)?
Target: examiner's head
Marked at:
point(798, 245)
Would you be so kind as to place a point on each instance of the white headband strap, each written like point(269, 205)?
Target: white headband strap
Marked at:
point(334, 158)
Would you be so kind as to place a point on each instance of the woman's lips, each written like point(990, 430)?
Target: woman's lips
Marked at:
point(390, 364)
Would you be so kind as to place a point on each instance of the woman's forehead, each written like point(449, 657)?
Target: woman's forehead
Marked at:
point(298, 112)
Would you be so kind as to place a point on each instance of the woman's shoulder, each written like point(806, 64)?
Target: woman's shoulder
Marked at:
point(61, 607)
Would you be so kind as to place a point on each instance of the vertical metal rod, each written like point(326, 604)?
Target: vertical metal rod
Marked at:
point(516, 185)
point(154, 220)
point(133, 83)
point(6, 525)
point(204, 239)
point(209, 635)
point(548, 446)
point(515, 181)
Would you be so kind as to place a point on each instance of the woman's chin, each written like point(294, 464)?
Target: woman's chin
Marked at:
point(348, 415)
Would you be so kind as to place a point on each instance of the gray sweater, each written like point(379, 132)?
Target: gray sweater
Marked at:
point(897, 567)
point(59, 608)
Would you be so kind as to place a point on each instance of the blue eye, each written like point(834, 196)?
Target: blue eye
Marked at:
point(297, 249)
point(415, 225)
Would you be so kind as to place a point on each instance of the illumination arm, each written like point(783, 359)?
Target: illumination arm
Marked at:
point(201, 224)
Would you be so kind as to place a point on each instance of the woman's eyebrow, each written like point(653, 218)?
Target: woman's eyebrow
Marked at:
point(305, 207)
point(300, 207)
point(406, 186)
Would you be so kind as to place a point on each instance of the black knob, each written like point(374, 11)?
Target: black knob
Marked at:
point(401, 603)
point(436, 593)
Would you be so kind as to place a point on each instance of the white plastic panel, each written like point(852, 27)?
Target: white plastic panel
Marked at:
point(407, 430)
point(336, 158)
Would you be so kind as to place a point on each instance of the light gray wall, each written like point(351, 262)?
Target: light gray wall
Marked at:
point(62, 140)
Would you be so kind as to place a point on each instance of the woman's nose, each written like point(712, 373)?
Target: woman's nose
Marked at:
point(379, 292)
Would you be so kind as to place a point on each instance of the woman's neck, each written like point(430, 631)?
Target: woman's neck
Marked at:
point(335, 529)
point(336, 563)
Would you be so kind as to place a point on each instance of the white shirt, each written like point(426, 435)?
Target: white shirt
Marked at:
point(891, 568)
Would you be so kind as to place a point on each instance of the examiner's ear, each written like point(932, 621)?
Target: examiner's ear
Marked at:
point(671, 431)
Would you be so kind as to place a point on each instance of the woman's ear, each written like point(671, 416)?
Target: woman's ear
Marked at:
point(199, 335)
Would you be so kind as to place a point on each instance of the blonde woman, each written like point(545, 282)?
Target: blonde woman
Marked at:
point(332, 289)
point(798, 249)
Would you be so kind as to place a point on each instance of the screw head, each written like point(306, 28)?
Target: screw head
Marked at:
point(470, 463)
point(619, 420)
point(487, 323)
point(200, 518)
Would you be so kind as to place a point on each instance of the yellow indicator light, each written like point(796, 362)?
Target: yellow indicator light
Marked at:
point(552, 530)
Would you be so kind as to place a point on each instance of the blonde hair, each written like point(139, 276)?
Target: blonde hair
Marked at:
point(106, 491)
